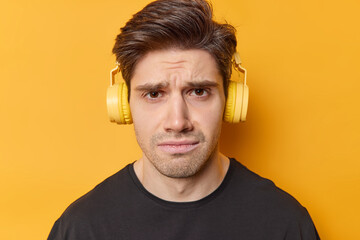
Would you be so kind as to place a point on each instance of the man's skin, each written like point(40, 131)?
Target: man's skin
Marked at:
point(177, 102)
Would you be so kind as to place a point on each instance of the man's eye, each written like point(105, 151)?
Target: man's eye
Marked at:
point(153, 94)
point(199, 92)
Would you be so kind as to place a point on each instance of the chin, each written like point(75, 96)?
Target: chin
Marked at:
point(181, 165)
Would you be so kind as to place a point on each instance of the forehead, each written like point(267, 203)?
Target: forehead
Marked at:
point(183, 65)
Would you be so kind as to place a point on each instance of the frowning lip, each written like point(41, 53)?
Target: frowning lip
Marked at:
point(178, 147)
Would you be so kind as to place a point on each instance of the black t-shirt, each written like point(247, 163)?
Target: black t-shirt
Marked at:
point(245, 206)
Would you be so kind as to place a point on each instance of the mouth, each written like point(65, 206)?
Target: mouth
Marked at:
point(178, 147)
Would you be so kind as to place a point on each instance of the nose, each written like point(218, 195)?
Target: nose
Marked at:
point(177, 118)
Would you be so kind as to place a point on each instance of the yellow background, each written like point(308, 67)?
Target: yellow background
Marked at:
point(302, 130)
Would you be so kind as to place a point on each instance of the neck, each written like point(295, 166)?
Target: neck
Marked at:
point(193, 188)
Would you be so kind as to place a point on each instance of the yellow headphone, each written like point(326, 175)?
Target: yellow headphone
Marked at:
point(235, 108)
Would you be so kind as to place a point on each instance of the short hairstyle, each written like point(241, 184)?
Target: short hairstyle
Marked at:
point(180, 24)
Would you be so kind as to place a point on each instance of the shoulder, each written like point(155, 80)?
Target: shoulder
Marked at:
point(104, 194)
point(267, 206)
point(263, 195)
point(97, 204)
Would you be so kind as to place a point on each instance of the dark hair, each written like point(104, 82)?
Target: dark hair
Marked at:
point(182, 24)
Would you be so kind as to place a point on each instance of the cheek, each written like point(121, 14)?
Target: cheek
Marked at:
point(146, 118)
point(145, 121)
point(142, 124)
point(209, 118)
point(142, 134)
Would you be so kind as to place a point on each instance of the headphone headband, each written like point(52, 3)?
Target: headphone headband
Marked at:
point(237, 65)
point(113, 72)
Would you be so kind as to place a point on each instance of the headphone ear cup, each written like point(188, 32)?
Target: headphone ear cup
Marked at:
point(245, 103)
point(117, 104)
point(125, 106)
point(236, 102)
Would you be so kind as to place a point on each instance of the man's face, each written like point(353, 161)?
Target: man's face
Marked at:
point(177, 102)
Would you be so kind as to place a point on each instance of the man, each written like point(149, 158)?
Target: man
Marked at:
point(176, 62)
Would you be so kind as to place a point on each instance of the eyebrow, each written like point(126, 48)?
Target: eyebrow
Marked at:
point(156, 86)
point(203, 83)
point(151, 86)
